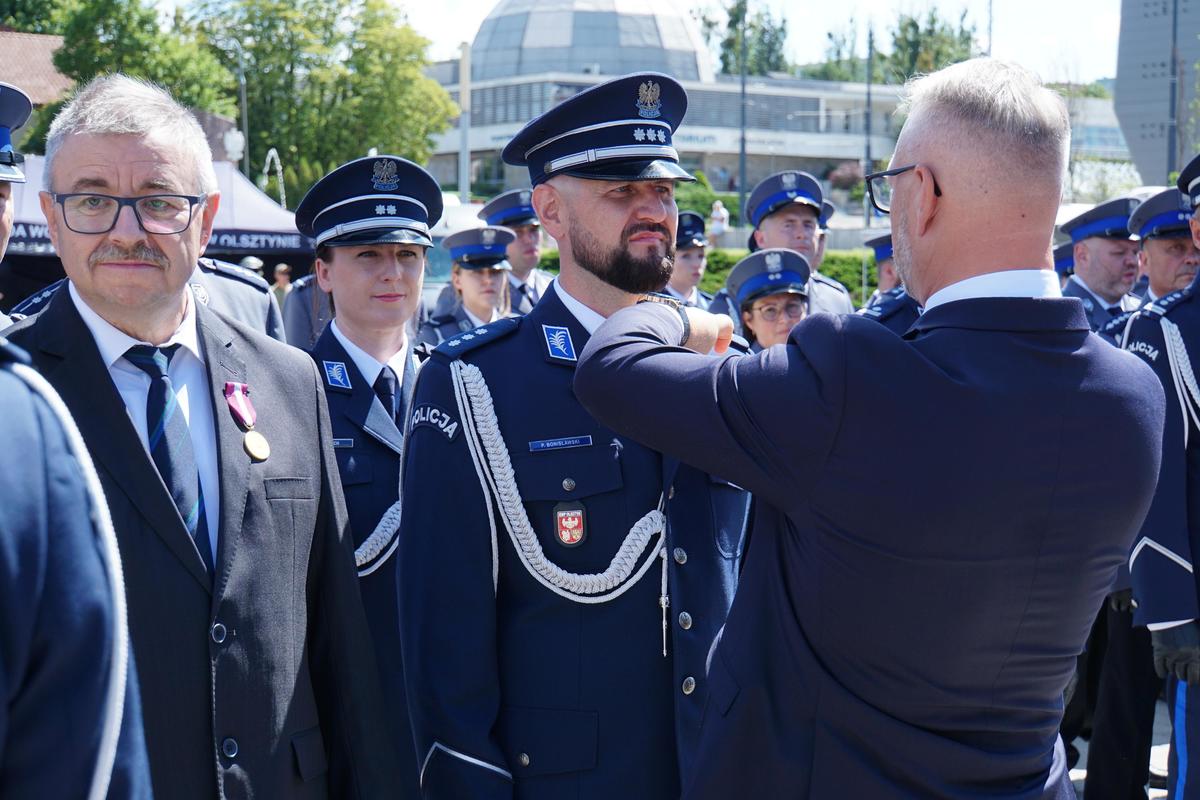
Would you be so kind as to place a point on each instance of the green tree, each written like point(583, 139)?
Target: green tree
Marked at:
point(765, 40)
point(328, 79)
point(923, 46)
point(842, 61)
point(31, 16)
point(101, 36)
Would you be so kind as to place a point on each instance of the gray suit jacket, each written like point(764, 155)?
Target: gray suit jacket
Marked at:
point(260, 681)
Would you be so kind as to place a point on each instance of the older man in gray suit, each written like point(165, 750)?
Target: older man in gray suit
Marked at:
point(257, 674)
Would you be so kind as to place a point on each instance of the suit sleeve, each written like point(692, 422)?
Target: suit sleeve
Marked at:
point(448, 604)
point(345, 676)
point(767, 421)
point(1161, 562)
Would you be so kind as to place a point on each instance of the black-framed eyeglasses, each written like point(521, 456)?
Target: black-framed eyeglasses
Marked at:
point(879, 189)
point(89, 212)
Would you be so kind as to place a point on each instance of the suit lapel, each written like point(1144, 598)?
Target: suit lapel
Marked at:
point(82, 379)
point(222, 364)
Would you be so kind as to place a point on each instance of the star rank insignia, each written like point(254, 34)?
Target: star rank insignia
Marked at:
point(639, 134)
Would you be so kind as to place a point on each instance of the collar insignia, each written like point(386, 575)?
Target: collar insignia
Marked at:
point(336, 374)
point(558, 343)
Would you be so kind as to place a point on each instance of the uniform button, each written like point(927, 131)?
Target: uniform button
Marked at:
point(671, 493)
point(685, 620)
point(218, 633)
point(680, 555)
point(689, 685)
point(230, 749)
point(568, 485)
point(523, 759)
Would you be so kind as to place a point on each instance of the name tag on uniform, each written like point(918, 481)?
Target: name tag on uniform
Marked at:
point(564, 443)
point(343, 443)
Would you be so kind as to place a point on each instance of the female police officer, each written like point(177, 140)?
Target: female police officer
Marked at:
point(480, 279)
point(370, 220)
point(770, 288)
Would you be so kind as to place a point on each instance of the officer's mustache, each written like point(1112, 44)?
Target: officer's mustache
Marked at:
point(643, 227)
point(139, 252)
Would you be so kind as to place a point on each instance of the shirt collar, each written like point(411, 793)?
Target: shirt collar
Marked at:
point(367, 364)
point(113, 343)
point(586, 317)
point(691, 298)
point(476, 321)
point(1006, 283)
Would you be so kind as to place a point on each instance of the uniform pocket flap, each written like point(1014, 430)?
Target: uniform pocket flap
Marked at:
point(567, 474)
point(544, 741)
point(353, 468)
point(290, 488)
point(309, 748)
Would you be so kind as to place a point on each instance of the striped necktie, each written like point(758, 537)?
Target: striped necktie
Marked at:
point(170, 444)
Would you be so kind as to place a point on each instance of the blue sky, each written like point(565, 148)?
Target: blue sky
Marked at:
point(1063, 40)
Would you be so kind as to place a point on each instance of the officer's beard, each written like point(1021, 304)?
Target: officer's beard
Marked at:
point(618, 267)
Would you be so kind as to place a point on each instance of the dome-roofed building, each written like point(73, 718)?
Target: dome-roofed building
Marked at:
point(596, 37)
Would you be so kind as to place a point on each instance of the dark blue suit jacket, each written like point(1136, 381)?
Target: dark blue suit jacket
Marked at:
point(368, 446)
point(56, 616)
point(516, 691)
point(916, 645)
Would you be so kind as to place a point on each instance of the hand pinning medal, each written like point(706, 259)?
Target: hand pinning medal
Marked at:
point(237, 395)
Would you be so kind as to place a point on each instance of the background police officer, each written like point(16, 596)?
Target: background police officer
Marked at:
point(1105, 260)
point(14, 112)
point(691, 259)
point(479, 280)
point(771, 290)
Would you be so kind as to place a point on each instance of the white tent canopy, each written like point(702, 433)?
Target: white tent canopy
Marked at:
point(248, 221)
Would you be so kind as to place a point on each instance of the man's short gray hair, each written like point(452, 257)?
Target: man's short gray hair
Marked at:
point(117, 105)
point(1002, 103)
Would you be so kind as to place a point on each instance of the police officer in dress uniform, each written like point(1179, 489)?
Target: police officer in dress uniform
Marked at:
point(71, 714)
point(1165, 333)
point(786, 210)
point(479, 280)
point(370, 221)
point(890, 306)
point(561, 586)
point(1105, 260)
point(690, 262)
point(771, 288)
point(527, 283)
point(15, 108)
point(828, 209)
point(1123, 721)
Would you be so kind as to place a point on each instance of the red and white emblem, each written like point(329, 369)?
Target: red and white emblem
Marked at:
point(570, 526)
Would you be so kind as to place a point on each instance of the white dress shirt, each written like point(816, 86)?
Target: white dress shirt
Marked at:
point(1006, 283)
point(589, 319)
point(691, 299)
point(190, 381)
point(369, 366)
point(476, 321)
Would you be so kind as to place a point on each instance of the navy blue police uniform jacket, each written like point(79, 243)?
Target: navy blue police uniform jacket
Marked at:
point(895, 310)
point(56, 613)
point(1166, 335)
point(917, 645)
point(369, 446)
point(234, 291)
point(515, 690)
point(438, 329)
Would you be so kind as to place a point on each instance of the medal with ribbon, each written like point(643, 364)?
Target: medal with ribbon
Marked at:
point(237, 395)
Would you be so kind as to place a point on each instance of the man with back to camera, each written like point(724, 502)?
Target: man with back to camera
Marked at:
point(866, 656)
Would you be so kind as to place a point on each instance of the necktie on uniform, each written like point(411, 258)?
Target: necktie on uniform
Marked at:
point(170, 444)
point(385, 390)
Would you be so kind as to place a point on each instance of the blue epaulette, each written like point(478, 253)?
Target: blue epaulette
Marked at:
point(35, 302)
point(454, 347)
point(890, 302)
point(1115, 325)
point(1163, 305)
point(234, 271)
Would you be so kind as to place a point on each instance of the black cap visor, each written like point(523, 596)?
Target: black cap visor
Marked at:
point(380, 236)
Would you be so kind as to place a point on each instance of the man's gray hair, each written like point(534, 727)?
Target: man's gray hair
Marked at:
point(117, 105)
point(1002, 103)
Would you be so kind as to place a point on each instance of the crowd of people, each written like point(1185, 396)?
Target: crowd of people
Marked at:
point(600, 534)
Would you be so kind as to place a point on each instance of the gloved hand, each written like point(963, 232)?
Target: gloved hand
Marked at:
point(1122, 601)
point(1177, 652)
